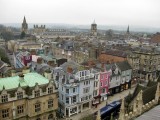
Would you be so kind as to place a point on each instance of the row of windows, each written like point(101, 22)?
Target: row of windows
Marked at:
point(84, 73)
point(104, 76)
point(87, 82)
point(86, 98)
point(5, 112)
point(96, 76)
point(95, 84)
point(20, 110)
point(73, 99)
point(104, 84)
point(68, 90)
point(38, 105)
point(4, 98)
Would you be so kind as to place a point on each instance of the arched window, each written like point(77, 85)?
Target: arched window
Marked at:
point(50, 117)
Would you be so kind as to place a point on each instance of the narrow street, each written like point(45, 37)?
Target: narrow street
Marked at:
point(93, 110)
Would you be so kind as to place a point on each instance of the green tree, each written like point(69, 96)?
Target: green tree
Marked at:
point(7, 35)
point(3, 56)
point(23, 34)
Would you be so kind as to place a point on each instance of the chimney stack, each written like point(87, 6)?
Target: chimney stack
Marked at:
point(13, 73)
point(21, 77)
point(69, 69)
point(39, 60)
point(48, 74)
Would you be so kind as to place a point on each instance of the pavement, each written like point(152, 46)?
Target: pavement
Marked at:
point(110, 99)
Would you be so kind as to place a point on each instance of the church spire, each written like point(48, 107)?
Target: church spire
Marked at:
point(24, 20)
point(24, 25)
point(128, 29)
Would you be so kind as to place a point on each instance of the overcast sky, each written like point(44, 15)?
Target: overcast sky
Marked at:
point(105, 12)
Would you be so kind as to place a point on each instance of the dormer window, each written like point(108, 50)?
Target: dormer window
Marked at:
point(50, 90)
point(4, 98)
point(19, 95)
point(37, 93)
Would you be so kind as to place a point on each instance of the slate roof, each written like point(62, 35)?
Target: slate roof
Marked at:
point(123, 66)
point(148, 94)
point(152, 114)
point(116, 53)
point(156, 38)
point(137, 90)
point(71, 64)
point(1, 63)
point(151, 83)
point(66, 45)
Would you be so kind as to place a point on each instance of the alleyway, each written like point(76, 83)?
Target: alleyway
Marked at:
point(110, 99)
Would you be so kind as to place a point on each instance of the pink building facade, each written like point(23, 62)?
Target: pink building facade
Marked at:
point(104, 84)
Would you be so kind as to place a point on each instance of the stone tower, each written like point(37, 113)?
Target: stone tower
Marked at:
point(94, 29)
point(24, 25)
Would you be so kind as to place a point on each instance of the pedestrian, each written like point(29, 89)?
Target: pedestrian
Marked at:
point(106, 103)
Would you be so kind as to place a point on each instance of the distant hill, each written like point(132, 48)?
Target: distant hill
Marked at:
point(102, 27)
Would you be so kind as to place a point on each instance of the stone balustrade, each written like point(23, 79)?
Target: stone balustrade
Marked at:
point(138, 112)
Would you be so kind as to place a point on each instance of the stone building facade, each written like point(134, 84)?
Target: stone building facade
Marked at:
point(39, 29)
point(28, 96)
point(146, 63)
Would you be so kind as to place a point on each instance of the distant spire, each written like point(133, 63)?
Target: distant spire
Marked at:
point(24, 20)
point(128, 29)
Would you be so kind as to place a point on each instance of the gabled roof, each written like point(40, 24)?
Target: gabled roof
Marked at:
point(71, 64)
point(137, 90)
point(151, 83)
point(149, 94)
point(1, 63)
point(123, 66)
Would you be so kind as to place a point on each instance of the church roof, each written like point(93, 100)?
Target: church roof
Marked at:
point(149, 94)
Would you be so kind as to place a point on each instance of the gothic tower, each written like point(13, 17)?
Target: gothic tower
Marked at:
point(94, 29)
point(24, 25)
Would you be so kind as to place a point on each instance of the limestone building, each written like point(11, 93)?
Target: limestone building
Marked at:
point(145, 63)
point(39, 29)
point(28, 96)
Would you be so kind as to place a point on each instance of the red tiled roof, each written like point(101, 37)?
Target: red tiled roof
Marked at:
point(156, 38)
